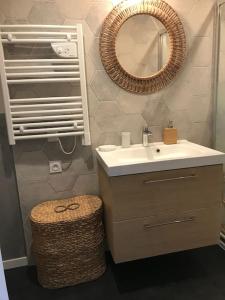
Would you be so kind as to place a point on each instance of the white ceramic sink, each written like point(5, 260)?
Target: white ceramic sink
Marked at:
point(157, 157)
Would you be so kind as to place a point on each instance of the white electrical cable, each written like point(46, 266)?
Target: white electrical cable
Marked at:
point(64, 151)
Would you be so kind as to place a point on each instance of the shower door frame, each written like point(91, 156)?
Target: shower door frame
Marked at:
point(216, 59)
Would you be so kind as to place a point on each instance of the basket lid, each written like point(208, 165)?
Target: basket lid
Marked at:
point(74, 208)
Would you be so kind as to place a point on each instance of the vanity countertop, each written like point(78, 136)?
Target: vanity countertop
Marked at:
point(157, 157)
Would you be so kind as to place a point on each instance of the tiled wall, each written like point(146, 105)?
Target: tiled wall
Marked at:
point(187, 100)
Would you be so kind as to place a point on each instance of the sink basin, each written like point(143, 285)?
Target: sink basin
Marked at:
point(157, 157)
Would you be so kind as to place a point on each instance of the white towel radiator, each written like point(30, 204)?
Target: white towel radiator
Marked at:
point(46, 117)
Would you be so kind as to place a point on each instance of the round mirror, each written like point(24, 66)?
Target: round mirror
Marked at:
point(134, 45)
point(142, 46)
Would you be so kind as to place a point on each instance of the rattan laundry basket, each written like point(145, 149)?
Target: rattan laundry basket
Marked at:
point(68, 241)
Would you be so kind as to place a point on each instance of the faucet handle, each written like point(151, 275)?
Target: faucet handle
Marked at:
point(147, 130)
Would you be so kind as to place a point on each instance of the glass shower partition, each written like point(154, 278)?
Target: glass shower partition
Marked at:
point(219, 90)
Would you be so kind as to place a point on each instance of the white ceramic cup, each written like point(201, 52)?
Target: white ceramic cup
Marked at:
point(125, 139)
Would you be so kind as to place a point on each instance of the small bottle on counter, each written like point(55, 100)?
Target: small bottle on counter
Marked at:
point(170, 134)
point(125, 139)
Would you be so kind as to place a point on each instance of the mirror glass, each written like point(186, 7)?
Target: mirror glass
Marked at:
point(142, 46)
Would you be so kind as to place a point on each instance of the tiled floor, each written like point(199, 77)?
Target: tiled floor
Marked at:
point(191, 275)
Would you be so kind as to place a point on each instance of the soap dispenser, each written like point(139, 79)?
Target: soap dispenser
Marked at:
point(170, 134)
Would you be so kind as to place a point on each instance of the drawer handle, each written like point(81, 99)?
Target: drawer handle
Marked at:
point(148, 226)
point(171, 179)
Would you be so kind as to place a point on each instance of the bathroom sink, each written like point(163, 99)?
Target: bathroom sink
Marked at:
point(157, 157)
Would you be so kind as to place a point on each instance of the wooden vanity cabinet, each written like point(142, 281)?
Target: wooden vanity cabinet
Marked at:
point(156, 213)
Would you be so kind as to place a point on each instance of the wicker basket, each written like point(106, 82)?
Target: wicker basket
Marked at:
point(68, 241)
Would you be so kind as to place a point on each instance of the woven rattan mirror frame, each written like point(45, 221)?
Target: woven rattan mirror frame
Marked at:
point(111, 26)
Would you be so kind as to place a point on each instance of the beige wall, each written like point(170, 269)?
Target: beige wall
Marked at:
point(187, 100)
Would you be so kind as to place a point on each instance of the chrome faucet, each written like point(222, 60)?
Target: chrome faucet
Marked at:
point(146, 134)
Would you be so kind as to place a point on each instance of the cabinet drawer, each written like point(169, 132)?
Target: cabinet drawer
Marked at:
point(164, 233)
point(139, 195)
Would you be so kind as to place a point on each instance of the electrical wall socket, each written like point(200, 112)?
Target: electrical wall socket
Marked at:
point(55, 167)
